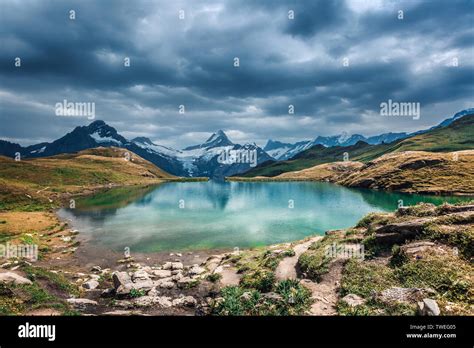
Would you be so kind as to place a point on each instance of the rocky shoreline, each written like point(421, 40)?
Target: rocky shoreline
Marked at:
point(418, 260)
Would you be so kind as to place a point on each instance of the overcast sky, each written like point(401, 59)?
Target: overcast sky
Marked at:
point(190, 62)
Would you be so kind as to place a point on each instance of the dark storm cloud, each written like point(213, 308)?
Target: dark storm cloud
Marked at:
point(190, 62)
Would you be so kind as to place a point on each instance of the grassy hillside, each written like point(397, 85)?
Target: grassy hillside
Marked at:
point(33, 184)
point(455, 137)
point(417, 171)
point(409, 171)
point(417, 252)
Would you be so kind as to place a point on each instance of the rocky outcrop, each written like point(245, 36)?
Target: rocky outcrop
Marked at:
point(397, 233)
point(428, 307)
point(353, 300)
point(13, 278)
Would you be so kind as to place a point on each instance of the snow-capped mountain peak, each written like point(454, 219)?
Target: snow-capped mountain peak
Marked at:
point(217, 139)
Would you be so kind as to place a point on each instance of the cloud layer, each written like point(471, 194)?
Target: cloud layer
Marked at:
point(426, 57)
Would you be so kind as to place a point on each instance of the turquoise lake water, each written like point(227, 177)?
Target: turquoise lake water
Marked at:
point(184, 216)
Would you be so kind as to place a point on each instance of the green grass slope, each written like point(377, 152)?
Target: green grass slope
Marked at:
point(455, 137)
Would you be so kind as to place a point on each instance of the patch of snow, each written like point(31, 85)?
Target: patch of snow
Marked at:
point(100, 139)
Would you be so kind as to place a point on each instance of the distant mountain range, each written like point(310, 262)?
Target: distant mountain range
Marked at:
point(283, 151)
point(202, 159)
point(193, 161)
point(455, 135)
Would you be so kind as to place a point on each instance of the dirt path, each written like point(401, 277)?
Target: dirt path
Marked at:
point(230, 277)
point(324, 293)
point(287, 267)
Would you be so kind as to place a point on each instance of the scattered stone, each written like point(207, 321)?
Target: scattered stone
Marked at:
point(246, 296)
point(353, 300)
point(173, 265)
point(187, 301)
point(13, 278)
point(177, 276)
point(44, 312)
point(196, 270)
point(143, 301)
point(121, 279)
point(122, 313)
point(122, 283)
point(179, 254)
point(161, 273)
point(91, 284)
point(126, 260)
point(108, 292)
point(123, 304)
point(418, 247)
point(184, 282)
point(81, 302)
point(397, 294)
point(145, 285)
point(163, 301)
point(429, 307)
point(96, 269)
point(165, 283)
point(140, 275)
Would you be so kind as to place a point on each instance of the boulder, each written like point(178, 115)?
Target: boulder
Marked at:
point(143, 301)
point(196, 270)
point(186, 301)
point(428, 307)
point(107, 292)
point(121, 279)
point(184, 282)
point(177, 277)
point(80, 302)
point(163, 301)
point(161, 273)
point(91, 284)
point(398, 233)
point(13, 278)
point(140, 275)
point(173, 265)
point(408, 295)
point(353, 300)
point(164, 283)
point(146, 284)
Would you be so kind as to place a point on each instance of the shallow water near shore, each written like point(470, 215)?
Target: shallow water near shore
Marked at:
point(184, 216)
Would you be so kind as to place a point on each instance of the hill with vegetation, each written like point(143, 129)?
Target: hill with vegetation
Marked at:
point(35, 184)
point(450, 173)
point(455, 137)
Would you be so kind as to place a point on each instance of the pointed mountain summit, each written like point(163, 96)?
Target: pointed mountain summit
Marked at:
point(217, 139)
